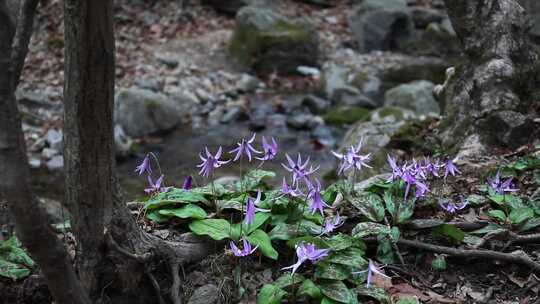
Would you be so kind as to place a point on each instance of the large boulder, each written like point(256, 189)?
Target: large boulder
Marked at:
point(349, 87)
point(141, 112)
point(268, 42)
point(381, 24)
point(416, 96)
point(231, 7)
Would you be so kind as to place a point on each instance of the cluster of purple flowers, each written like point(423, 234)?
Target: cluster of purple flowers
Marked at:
point(352, 159)
point(501, 186)
point(154, 187)
point(417, 173)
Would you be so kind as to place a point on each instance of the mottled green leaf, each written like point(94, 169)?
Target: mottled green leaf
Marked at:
point(174, 196)
point(12, 270)
point(408, 300)
point(336, 290)
point(376, 293)
point(368, 228)
point(439, 263)
point(339, 242)
point(288, 279)
point(450, 231)
point(270, 294)
point(518, 216)
point(331, 271)
point(351, 256)
point(497, 214)
point(253, 179)
point(385, 253)
point(370, 205)
point(310, 289)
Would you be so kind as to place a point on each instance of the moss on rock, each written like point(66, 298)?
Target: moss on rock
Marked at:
point(346, 115)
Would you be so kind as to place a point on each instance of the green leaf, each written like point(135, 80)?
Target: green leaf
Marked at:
point(496, 198)
point(253, 179)
point(287, 280)
point(518, 216)
point(497, 214)
point(230, 204)
point(439, 263)
point(287, 232)
point(389, 202)
point(187, 211)
point(368, 228)
point(316, 217)
point(374, 292)
point(217, 229)
point(406, 211)
point(211, 190)
point(450, 231)
point(339, 242)
point(270, 294)
point(336, 290)
point(370, 205)
point(490, 228)
point(408, 300)
point(174, 196)
point(530, 224)
point(310, 289)
point(154, 216)
point(259, 220)
point(11, 249)
point(394, 234)
point(476, 200)
point(326, 300)
point(318, 242)
point(331, 271)
point(351, 256)
point(384, 250)
point(281, 232)
point(514, 202)
point(13, 270)
point(261, 239)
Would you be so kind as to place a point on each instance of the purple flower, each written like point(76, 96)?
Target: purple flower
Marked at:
point(144, 166)
point(352, 158)
point(307, 252)
point(432, 167)
point(188, 183)
point(245, 147)
point(500, 186)
point(330, 224)
point(299, 170)
point(450, 167)
point(396, 170)
point(372, 268)
point(211, 162)
point(317, 202)
point(269, 150)
point(251, 209)
point(286, 190)
point(451, 207)
point(246, 248)
point(156, 187)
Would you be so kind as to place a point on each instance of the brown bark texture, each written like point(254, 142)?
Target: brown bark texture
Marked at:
point(31, 220)
point(492, 95)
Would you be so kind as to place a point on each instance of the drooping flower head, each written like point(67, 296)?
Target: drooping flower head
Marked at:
point(500, 186)
point(286, 190)
point(306, 252)
point(245, 147)
point(452, 207)
point(315, 197)
point(352, 158)
point(210, 162)
point(144, 166)
point(155, 187)
point(450, 167)
point(269, 149)
point(246, 248)
point(331, 224)
point(299, 171)
point(251, 208)
point(188, 183)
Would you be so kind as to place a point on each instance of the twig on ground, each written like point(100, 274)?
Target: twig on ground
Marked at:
point(394, 245)
point(522, 259)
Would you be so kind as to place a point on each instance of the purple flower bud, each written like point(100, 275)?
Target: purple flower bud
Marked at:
point(251, 208)
point(245, 147)
point(246, 248)
point(188, 181)
point(144, 166)
point(307, 252)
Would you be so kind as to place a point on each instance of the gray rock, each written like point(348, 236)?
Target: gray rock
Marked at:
point(345, 97)
point(316, 104)
point(416, 96)
point(48, 153)
point(142, 112)
point(323, 134)
point(231, 7)
point(167, 59)
point(391, 115)
point(422, 16)
point(258, 118)
point(207, 294)
point(56, 163)
point(381, 24)
point(277, 122)
point(345, 86)
point(267, 42)
point(417, 68)
point(248, 83)
point(122, 142)
point(233, 114)
point(32, 99)
point(149, 84)
point(304, 121)
point(509, 128)
point(54, 139)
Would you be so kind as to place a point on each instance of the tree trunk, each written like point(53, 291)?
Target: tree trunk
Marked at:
point(491, 97)
point(32, 224)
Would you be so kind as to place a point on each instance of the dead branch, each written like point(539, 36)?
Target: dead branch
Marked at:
point(517, 258)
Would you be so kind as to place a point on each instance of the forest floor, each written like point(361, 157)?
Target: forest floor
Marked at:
point(149, 34)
